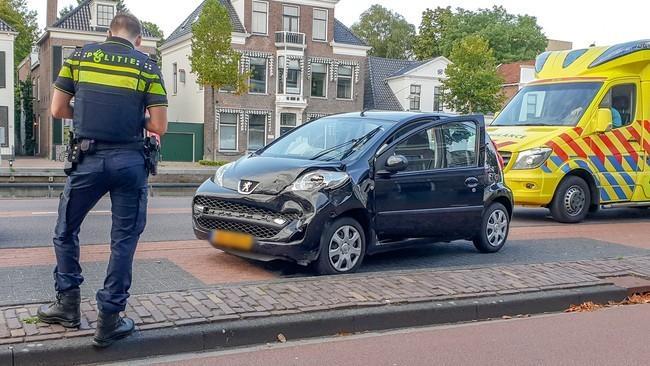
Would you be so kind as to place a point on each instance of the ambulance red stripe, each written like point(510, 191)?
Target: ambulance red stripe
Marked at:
point(599, 153)
point(558, 150)
point(626, 144)
point(612, 148)
point(572, 143)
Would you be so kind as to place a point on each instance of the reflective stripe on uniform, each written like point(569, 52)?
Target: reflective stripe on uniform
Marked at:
point(117, 81)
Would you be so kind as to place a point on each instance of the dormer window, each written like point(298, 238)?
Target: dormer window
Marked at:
point(105, 14)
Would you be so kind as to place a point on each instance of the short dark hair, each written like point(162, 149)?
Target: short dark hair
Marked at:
point(128, 22)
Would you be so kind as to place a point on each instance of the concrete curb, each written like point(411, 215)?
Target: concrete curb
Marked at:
point(255, 331)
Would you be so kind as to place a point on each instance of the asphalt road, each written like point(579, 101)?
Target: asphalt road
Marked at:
point(560, 339)
point(30, 223)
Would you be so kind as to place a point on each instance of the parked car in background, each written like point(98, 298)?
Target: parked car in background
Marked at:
point(342, 187)
point(579, 138)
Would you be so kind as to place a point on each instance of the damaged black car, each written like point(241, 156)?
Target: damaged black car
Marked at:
point(339, 188)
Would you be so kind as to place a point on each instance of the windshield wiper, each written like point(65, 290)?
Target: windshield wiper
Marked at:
point(331, 149)
point(355, 143)
point(360, 141)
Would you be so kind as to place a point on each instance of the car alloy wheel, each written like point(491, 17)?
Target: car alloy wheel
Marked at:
point(574, 200)
point(345, 248)
point(496, 229)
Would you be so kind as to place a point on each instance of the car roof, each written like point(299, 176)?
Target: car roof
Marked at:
point(400, 117)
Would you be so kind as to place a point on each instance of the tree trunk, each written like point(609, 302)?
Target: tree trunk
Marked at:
point(214, 127)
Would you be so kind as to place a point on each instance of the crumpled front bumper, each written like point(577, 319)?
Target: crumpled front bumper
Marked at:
point(286, 226)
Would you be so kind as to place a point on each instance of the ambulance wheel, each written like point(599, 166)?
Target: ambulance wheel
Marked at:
point(572, 200)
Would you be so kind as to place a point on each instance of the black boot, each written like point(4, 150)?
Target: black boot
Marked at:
point(111, 328)
point(64, 311)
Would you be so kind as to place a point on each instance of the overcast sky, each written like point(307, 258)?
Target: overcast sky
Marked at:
point(580, 21)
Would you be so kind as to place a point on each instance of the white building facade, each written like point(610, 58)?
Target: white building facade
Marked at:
point(7, 74)
point(405, 85)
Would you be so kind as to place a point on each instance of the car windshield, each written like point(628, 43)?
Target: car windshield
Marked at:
point(549, 105)
point(327, 139)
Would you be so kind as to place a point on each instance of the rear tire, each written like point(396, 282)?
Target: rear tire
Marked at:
point(572, 201)
point(494, 229)
point(342, 247)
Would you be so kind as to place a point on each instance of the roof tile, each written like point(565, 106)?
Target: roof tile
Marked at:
point(378, 94)
point(4, 27)
point(186, 26)
point(343, 34)
point(79, 19)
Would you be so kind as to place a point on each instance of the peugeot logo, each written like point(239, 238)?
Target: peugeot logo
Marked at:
point(247, 186)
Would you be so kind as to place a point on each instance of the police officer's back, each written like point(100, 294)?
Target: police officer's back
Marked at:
point(113, 85)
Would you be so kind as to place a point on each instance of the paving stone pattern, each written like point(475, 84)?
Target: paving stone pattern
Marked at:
point(35, 283)
point(280, 297)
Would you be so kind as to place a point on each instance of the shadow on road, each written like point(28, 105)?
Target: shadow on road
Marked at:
point(463, 254)
point(542, 216)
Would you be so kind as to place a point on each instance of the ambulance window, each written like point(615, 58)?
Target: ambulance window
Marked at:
point(621, 100)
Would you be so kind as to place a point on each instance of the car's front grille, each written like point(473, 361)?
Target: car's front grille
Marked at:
point(216, 205)
point(506, 155)
point(258, 231)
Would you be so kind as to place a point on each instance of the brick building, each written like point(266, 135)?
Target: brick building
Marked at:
point(303, 63)
point(87, 23)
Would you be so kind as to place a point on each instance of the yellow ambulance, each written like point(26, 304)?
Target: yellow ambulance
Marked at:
point(578, 138)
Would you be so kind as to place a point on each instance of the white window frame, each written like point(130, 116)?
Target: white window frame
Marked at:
point(297, 7)
point(266, 77)
point(412, 96)
point(175, 78)
point(437, 98)
point(99, 20)
point(248, 134)
point(326, 82)
point(327, 15)
point(280, 125)
point(266, 31)
point(236, 134)
point(282, 65)
point(351, 77)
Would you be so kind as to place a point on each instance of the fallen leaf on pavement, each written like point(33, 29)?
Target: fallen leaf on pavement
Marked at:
point(636, 299)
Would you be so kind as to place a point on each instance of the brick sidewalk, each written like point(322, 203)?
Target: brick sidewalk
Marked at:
point(281, 297)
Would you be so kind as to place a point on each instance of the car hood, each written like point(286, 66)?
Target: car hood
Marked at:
point(270, 175)
point(520, 138)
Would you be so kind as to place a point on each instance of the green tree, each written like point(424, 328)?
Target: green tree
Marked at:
point(387, 32)
point(66, 10)
point(473, 84)
point(213, 59)
point(512, 37)
point(23, 20)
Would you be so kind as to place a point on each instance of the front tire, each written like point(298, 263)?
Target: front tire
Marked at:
point(342, 247)
point(572, 201)
point(494, 229)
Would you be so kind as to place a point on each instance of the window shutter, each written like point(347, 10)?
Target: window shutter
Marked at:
point(3, 70)
point(56, 62)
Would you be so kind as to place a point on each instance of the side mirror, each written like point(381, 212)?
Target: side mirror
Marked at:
point(396, 163)
point(603, 120)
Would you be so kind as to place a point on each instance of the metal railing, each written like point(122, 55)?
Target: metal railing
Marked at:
point(290, 38)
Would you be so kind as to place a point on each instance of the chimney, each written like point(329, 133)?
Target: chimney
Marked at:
point(52, 12)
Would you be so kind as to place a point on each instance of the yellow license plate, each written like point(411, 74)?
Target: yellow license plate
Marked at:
point(232, 240)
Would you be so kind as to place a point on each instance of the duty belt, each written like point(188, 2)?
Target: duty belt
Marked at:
point(99, 145)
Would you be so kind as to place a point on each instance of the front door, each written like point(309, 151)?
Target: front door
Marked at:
point(618, 153)
point(440, 193)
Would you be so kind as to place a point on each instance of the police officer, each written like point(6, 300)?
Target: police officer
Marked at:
point(113, 85)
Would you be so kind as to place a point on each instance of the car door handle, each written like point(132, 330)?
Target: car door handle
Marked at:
point(471, 182)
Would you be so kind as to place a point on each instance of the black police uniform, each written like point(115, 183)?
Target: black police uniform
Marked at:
point(113, 84)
